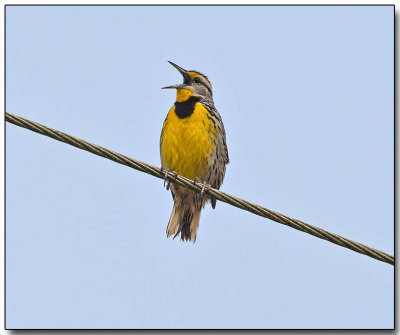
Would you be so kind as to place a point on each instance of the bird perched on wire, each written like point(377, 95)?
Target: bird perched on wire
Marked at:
point(192, 144)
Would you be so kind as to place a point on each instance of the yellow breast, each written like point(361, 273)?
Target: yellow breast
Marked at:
point(187, 143)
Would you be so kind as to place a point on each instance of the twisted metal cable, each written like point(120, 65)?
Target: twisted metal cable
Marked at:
point(190, 184)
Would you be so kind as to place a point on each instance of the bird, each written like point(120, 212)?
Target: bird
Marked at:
point(193, 145)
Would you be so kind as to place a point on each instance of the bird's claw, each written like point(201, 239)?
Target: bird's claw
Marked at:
point(206, 187)
point(166, 181)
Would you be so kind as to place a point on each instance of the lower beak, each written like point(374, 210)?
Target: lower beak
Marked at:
point(177, 86)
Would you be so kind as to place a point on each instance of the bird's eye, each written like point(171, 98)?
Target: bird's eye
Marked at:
point(197, 80)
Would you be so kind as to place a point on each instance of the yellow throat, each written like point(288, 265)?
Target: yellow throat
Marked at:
point(183, 95)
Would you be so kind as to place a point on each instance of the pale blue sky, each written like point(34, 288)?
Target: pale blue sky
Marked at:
point(306, 95)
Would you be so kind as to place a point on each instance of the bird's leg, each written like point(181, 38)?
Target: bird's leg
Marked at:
point(204, 189)
point(175, 174)
point(166, 181)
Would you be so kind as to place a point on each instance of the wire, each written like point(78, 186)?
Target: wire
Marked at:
point(190, 184)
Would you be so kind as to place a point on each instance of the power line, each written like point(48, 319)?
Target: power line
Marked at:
point(190, 184)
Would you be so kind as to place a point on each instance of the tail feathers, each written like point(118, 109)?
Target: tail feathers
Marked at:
point(184, 221)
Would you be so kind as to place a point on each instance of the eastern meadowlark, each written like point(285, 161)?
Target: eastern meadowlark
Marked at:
point(192, 144)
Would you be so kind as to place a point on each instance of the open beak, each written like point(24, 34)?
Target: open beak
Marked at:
point(182, 71)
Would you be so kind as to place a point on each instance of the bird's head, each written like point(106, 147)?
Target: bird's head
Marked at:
point(194, 84)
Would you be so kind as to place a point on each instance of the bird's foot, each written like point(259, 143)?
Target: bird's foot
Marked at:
point(166, 181)
point(206, 187)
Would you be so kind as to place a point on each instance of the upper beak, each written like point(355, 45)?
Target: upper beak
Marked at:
point(182, 71)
